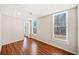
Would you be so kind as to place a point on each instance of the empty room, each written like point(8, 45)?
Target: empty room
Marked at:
point(39, 29)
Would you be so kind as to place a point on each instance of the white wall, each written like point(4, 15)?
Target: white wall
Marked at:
point(44, 32)
point(0, 33)
point(12, 29)
point(78, 30)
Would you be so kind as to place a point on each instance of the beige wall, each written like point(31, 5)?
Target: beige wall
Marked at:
point(44, 27)
point(12, 29)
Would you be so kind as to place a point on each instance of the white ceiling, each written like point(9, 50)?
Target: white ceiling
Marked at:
point(38, 10)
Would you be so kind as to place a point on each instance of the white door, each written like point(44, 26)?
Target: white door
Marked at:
point(27, 30)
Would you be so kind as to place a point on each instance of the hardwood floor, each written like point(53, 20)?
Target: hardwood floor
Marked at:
point(31, 47)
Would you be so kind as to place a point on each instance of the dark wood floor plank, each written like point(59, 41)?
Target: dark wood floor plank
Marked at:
point(4, 51)
point(19, 48)
point(8, 50)
point(31, 47)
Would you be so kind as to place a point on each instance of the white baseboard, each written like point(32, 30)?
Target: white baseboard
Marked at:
point(8, 42)
point(56, 46)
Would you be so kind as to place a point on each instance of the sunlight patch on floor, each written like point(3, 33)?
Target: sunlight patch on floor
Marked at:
point(34, 48)
point(25, 43)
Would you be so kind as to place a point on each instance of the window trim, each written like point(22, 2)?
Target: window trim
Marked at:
point(57, 39)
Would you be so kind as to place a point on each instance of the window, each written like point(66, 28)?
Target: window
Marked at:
point(34, 27)
point(60, 25)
